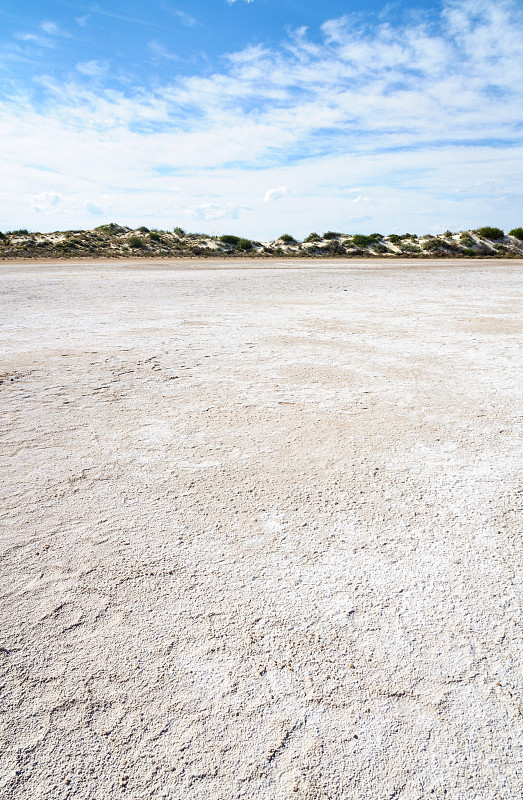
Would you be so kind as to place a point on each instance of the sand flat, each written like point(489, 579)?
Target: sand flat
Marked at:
point(261, 530)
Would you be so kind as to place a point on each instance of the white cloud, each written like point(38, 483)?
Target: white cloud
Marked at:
point(46, 201)
point(42, 41)
point(93, 209)
point(50, 28)
point(185, 19)
point(161, 51)
point(92, 69)
point(210, 212)
point(398, 113)
point(275, 194)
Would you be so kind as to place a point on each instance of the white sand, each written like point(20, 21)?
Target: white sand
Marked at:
point(260, 531)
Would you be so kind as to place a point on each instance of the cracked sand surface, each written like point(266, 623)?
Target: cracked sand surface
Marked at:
point(261, 531)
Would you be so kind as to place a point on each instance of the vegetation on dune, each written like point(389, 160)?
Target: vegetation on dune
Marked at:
point(229, 238)
point(360, 240)
point(490, 233)
point(111, 227)
point(118, 241)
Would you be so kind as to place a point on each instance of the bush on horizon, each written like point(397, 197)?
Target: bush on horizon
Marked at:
point(491, 233)
point(244, 244)
point(360, 240)
point(517, 233)
point(229, 238)
point(312, 237)
point(111, 227)
point(286, 237)
point(179, 231)
point(331, 235)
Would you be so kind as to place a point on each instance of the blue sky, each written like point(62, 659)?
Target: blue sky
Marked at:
point(263, 116)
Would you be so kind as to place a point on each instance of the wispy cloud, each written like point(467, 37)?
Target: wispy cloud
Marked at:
point(92, 69)
point(50, 27)
point(46, 201)
point(211, 212)
point(406, 114)
point(93, 209)
point(34, 38)
point(161, 51)
point(185, 19)
point(275, 194)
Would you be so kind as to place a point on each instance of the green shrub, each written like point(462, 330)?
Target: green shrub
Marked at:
point(244, 244)
point(334, 247)
point(135, 242)
point(179, 231)
point(143, 229)
point(359, 240)
point(312, 237)
point(517, 232)
point(434, 245)
point(286, 237)
point(228, 238)
point(466, 240)
point(111, 227)
point(490, 233)
point(469, 252)
point(395, 238)
point(19, 232)
point(154, 236)
point(331, 235)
